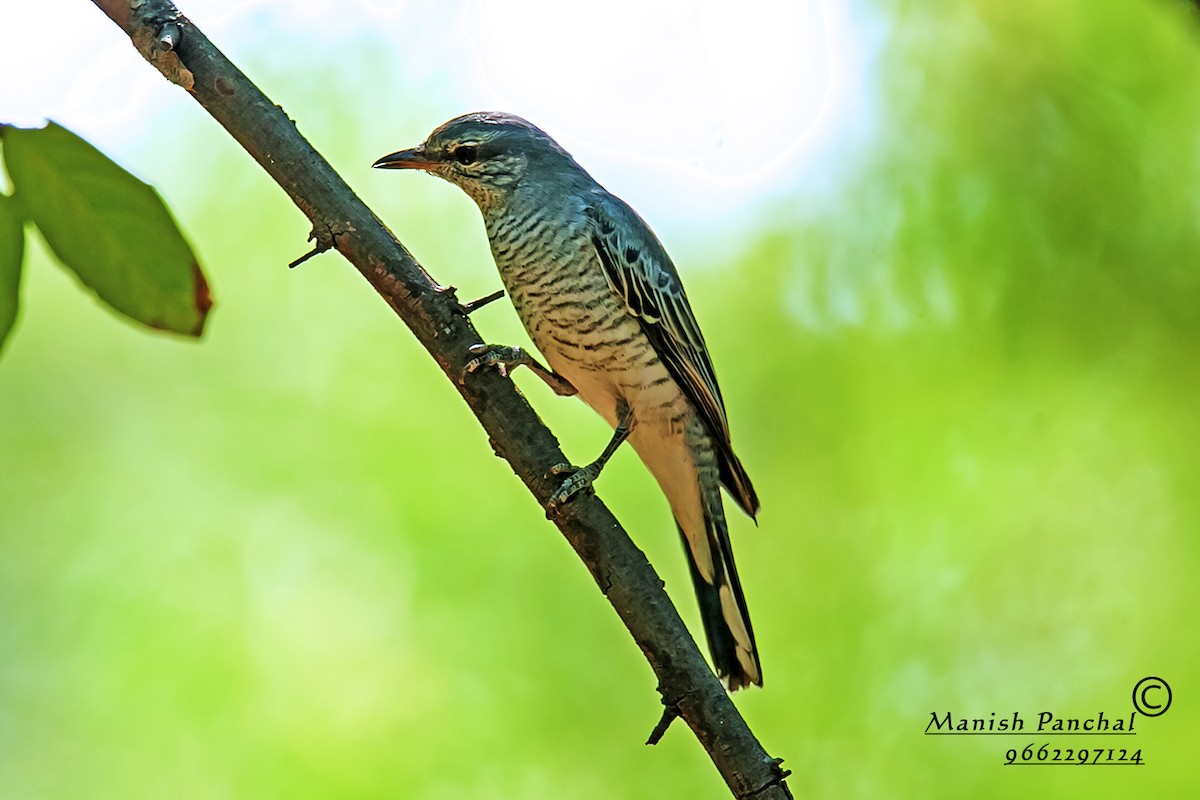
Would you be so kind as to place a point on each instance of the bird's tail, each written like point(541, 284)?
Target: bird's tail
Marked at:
point(722, 604)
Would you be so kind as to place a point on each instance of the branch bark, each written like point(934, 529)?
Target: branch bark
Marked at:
point(340, 220)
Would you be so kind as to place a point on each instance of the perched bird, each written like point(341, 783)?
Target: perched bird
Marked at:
point(603, 303)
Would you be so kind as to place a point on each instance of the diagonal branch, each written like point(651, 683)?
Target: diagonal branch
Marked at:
point(340, 220)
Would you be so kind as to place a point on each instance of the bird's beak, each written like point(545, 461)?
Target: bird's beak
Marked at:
point(413, 158)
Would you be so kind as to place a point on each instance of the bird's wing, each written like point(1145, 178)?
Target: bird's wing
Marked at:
point(642, 276)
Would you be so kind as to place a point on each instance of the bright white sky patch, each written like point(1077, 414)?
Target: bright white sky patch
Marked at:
point(691, 110)
point(730, 92)
point(715, 103)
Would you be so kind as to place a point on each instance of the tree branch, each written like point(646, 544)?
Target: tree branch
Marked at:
point(186, 57)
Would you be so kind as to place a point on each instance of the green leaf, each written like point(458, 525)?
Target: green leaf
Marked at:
point(109, 228)
point(12, 248)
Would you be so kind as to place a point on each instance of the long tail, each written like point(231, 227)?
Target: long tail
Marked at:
point(722, 604)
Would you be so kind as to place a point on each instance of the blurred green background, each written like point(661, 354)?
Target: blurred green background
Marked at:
point(283, 562)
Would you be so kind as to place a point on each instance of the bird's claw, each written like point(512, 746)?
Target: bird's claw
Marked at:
point(578, 480)
point(494, 355)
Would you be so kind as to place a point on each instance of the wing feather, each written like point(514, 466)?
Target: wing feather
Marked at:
point(641, 274)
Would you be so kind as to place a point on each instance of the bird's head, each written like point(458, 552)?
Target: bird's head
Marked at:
point(487, 154)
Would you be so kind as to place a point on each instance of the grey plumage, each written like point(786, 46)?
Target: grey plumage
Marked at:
point(604, 305)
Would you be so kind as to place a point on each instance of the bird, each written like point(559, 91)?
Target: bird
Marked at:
point(604, 305)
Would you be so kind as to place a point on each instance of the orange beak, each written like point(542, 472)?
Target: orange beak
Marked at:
point(413, 158)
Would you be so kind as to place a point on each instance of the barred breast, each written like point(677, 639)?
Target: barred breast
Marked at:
point(553, 275)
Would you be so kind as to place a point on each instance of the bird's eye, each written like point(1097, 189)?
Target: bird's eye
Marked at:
point(465, 154)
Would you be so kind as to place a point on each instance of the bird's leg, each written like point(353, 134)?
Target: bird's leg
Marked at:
point(581, 479)
point(508, 358)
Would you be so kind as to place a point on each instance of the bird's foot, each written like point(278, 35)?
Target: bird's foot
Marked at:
point(502, 357)
point(506, 359)
point(578, 480)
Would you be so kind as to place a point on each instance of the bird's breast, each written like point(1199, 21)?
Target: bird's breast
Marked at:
point(557, 285)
